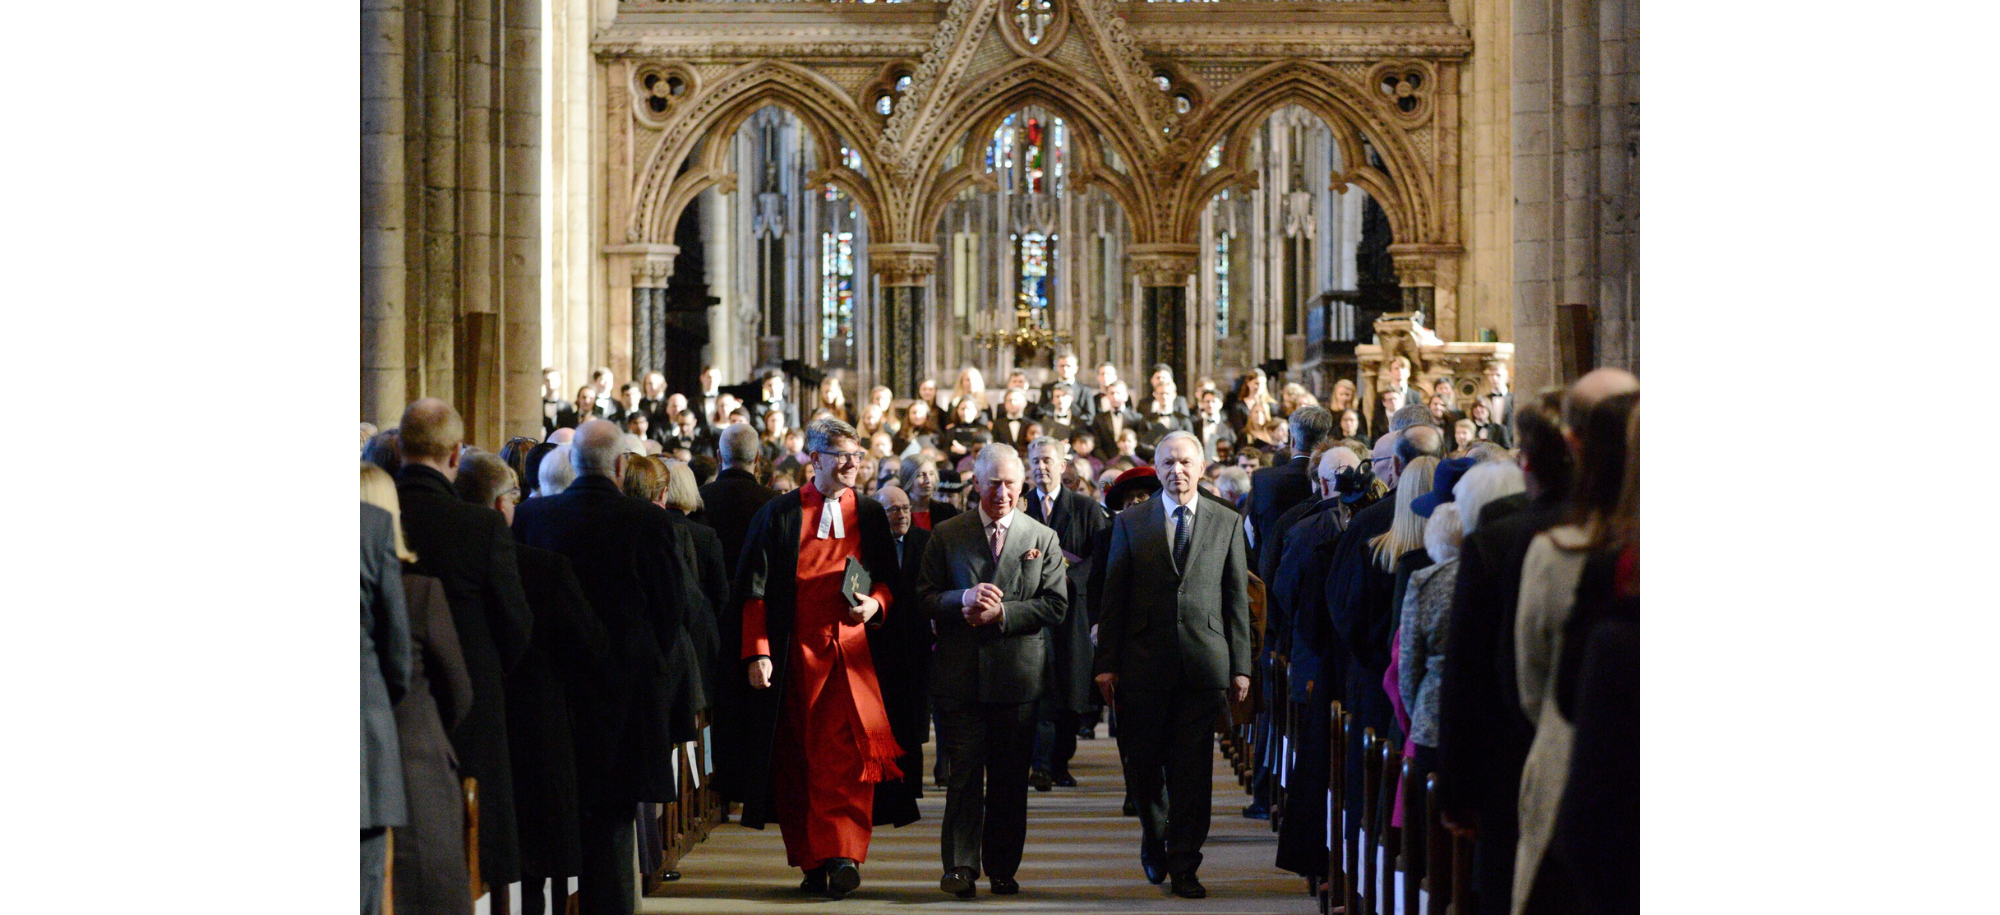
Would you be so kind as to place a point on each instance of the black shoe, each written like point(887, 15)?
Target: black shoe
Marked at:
point(1006, 886)
point(843, 876)
point(1131, 809)
point(1065, 780)
point(1087, 732)
point(1257, 811)
point(1155, 874)
point(1041, 780)
point(815, 882)
point(670, 876)
point(1187, 887)
point(962, 882)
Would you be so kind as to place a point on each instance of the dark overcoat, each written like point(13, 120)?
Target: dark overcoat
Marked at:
point(906, 641)
point(729, 502)
point(769, 571)
point(1077, 521)
point(562, 671)
point(467, 547)
point(710, 575)
point(432, 877)
point(622, 557)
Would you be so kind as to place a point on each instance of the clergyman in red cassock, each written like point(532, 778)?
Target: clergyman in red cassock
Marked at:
point(818, 739)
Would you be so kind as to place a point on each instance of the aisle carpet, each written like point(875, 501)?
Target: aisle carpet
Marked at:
point(1082, 856)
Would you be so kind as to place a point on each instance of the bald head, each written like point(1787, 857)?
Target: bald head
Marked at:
point(599, 448)
point(430, 431)
point(1416, 442)
point(1592, 389)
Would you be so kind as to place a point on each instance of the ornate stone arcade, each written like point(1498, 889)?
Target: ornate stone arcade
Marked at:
point(1156, 87)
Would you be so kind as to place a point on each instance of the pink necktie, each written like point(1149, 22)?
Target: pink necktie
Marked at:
point(999, 539)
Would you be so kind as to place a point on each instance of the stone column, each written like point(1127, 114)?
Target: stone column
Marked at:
point(905, 269)
point(384, 215)
point(1163, 271)
point(639, 333)
point(1428, 275)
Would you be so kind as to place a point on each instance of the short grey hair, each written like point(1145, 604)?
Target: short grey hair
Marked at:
point(1442, 534)
point(1233, 482)
point(738, 445)
point(1485, 482)
point(991, 457)
point(1412, 415)
point(1334, 453)
point(1047, 441)
point(556, 472)
point(596, 447)
point(1174, 436)
point(482, 477)
point(821, 433)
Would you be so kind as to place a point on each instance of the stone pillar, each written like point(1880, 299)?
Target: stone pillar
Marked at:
point(638, 335)
point(905, 269)
point(384, 215)
point(1163, 271)
point(1428, 275)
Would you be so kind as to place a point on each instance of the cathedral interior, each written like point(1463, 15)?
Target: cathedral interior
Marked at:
point(900, 190)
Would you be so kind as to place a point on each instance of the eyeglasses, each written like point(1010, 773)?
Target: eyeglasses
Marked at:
point(845, 457)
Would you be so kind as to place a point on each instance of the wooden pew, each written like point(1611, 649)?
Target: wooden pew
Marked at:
point(1335, 897)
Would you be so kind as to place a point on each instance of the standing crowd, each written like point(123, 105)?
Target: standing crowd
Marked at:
point(822, 583)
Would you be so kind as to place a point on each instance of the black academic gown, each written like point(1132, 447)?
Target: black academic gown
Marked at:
point(906, 639)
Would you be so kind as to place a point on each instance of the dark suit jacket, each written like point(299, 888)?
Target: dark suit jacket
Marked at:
point(906, 635)
point(468, 548)
point(619, 549)
point(1077, 521)
point(1274, 490)
point(385, 671)
point(1483, 737)
point(1082, 404)
point(703, 566)
point(730, 501)
point(1165, 628)
point(1359, 608)
point(1203, 429)
point(1106, 425)
point(561, 672)
point(1003, 662)
point(1008, 431)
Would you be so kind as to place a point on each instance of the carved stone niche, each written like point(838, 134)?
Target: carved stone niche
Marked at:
point(1403, 334)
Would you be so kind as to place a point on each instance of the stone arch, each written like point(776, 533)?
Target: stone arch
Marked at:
point(999, 94)
point(825, 110)
point(1404, 187)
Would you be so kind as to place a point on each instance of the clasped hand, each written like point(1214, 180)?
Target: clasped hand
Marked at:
point(860, 613)
point(982, 604)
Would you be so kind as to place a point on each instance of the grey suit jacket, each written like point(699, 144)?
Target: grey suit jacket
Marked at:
point(1161, 627)
point(1003, 662)
point(385, 671)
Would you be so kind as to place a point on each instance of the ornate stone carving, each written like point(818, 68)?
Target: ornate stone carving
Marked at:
point(1163, 265)
point(652, 265)
point(1405, 89)
point(902, 263)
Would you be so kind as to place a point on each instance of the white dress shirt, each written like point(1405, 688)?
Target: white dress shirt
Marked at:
point(1193, 499)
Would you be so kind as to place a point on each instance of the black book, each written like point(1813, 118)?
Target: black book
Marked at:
point(855, 583)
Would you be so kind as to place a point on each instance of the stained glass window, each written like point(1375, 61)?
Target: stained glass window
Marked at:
point(1221, 285)
point(836, 270)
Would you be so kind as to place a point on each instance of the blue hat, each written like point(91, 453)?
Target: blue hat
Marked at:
point(1442, 480)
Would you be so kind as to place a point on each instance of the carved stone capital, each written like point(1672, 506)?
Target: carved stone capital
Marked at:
point(1163, 264)
point(1419, 265)
point(651, 265)
point(902, 263)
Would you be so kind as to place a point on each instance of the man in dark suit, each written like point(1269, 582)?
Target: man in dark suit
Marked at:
point(1082, 397)
point(1012, 419)
point(1275, 489)
point(620, 550)
point(1498, 396)
point(734, 497)
point(385, 676)
point(550, 696)
point(1058, 413)
point(906, 640)
point(1209, 426)
point(993, 584)
point(1077, 521)
point(1173, 641)
point(469, 549)
point(1115, 415)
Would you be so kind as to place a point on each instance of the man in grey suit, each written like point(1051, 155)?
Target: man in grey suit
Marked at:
point(1173, 637)
point(993, 583)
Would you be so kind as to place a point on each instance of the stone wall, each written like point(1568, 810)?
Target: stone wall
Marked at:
point(1576, 186)
point(450, 215)
point(1486, 282)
